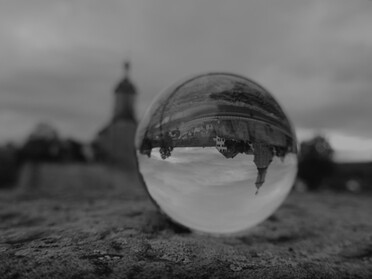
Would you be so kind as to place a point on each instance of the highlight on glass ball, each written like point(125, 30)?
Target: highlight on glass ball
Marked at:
point(217, 153)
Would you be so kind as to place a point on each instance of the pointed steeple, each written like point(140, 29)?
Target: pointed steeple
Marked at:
point(260, 178)
point(126, 86)
point(126, 68)
point(263, 155)
point(124, 97)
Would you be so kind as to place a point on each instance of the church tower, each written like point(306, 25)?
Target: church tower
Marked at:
point(125, 93)
point(114, 143)
point(263, 156)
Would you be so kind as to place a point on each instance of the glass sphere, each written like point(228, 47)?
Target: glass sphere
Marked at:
point(217, 153)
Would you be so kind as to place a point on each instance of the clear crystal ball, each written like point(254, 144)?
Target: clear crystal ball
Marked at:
point(217, 153)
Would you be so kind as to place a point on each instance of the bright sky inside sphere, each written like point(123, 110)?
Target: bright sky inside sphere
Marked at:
point(201, 189)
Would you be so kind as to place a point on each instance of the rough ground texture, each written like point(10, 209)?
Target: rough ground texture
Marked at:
point(90, 222)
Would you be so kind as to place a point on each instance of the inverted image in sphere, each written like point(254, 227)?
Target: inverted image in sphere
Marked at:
point(217, 153)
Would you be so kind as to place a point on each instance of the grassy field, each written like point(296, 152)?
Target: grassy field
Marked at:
point(79, 221)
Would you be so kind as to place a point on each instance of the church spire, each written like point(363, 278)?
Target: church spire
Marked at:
point(125, 93)
point(126, 68)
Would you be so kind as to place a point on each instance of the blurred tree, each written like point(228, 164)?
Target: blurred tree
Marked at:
point(71, 150)
point(43, 145)
point(166, 146)
point(8, 165)
point(315, 161)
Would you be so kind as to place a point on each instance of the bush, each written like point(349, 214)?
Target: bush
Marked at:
point(315, 161)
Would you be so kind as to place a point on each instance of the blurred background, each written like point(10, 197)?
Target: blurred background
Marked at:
point(77, 76)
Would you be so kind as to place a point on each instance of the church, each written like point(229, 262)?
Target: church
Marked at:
point(114, 143)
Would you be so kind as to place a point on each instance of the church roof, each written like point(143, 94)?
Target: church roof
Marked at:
point(229, 153)
point(125, 87)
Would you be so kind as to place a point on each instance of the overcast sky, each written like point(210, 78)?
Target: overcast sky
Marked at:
point(60, 59)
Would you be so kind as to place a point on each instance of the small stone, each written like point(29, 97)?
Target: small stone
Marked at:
point(22, 253)
point(235, 267)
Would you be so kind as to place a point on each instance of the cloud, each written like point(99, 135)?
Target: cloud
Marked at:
point(61, 59)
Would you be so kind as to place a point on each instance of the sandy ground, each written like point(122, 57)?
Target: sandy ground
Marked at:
point(91, 222)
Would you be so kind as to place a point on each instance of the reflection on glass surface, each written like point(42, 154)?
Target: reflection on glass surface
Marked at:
point(217, 153)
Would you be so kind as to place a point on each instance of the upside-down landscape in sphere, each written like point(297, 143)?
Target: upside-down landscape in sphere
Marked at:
point(217, 153)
